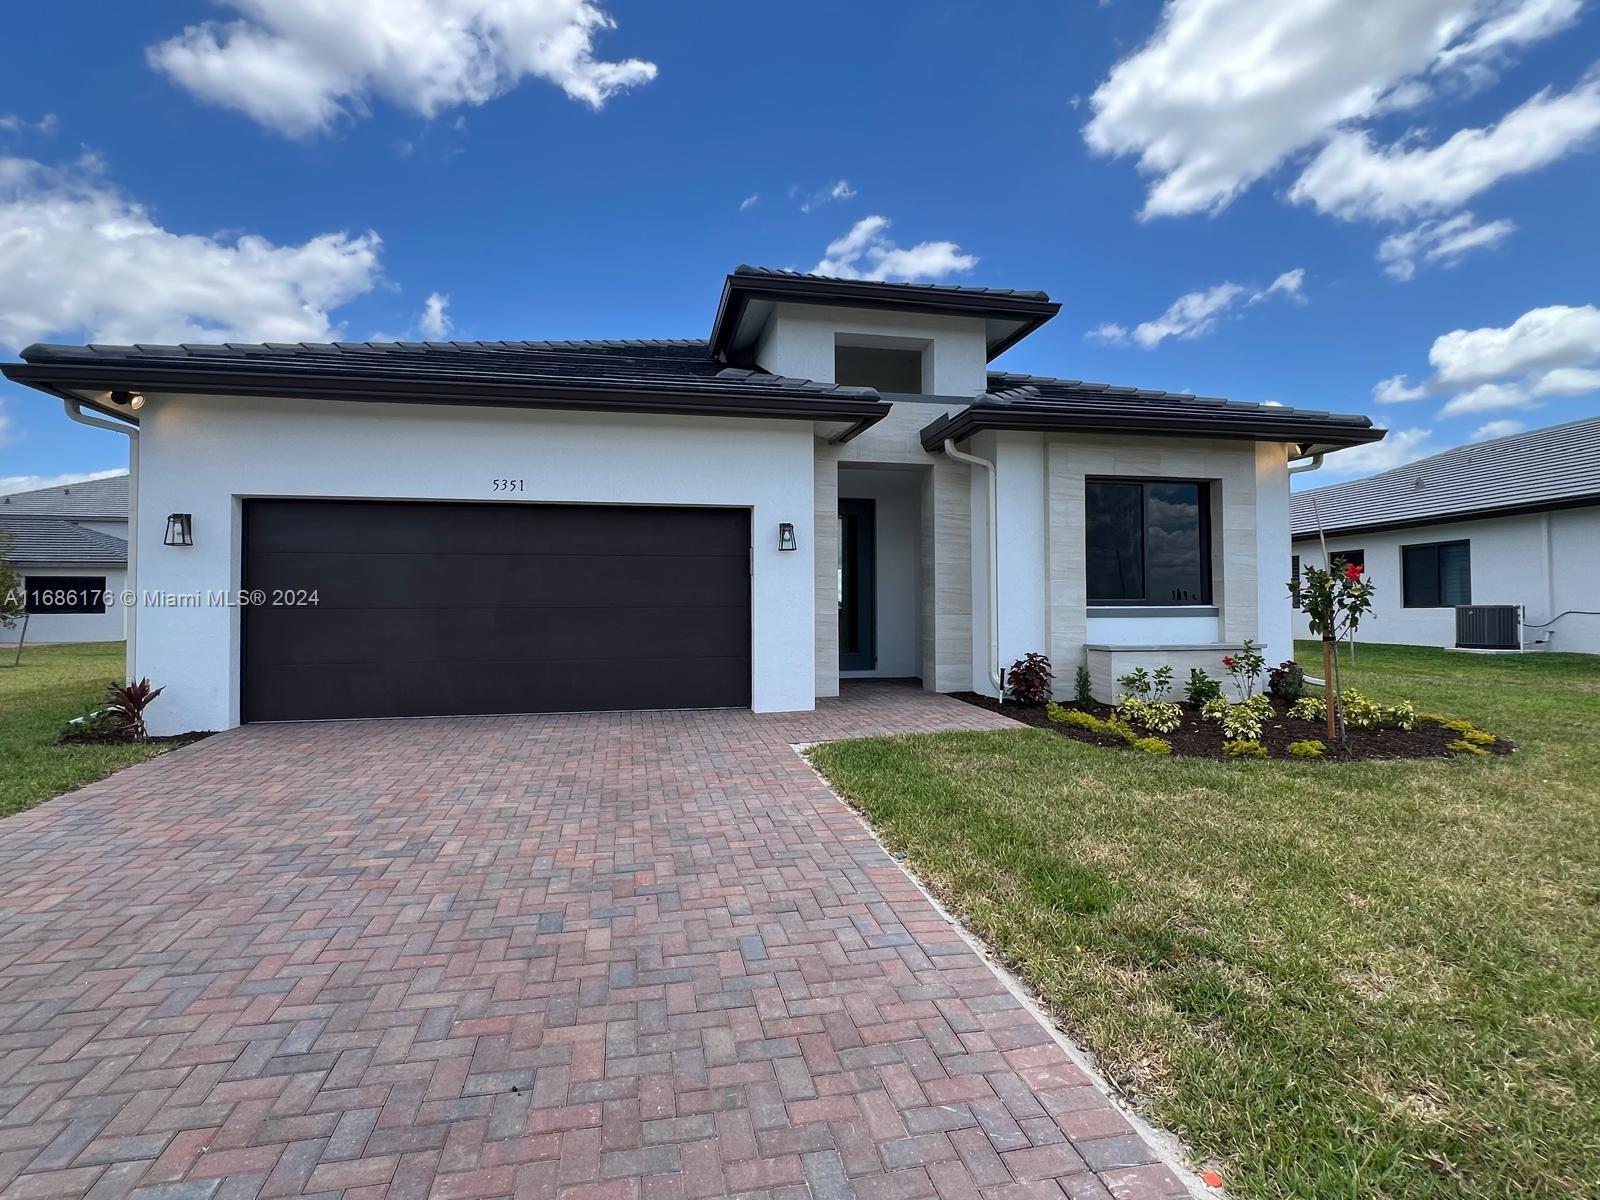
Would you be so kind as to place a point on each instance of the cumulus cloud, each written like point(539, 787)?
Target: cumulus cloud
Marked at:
point(1351, 177)
point(434, 323)
point(299, 66)
point(839, 189)
point(78, 258)
point(866, 252)
point(1443, 242)
point(1195, 314)
point(1496, 429)
point(1398, 448)
point(1395, 390)
point(1226, 91)
point(32, 483)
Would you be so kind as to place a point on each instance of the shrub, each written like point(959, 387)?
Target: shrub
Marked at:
point(1287, 681)
point(1241, 723)
point(1114, 728)
point(1159, 716)
point(1028, 681)
point(1244, 749)
point(124, 711)
point(1261, 706)
point(1478, 737)
point(1084, 686)
point(1307, 749)
point(1309, 708)
point(1201, 687)
point(1359, 711)
point(1399, 716)
point(1152, 745)
point(1462, 746)
point(1215, 709)
point(1244, 668)
point(1145, 685)
point(1057, 712)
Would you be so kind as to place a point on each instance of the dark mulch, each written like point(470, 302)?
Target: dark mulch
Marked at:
point(106, 739)
point(1199, 738)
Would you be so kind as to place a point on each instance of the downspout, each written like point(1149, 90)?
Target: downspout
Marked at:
point(972, 460)
point(74, 409)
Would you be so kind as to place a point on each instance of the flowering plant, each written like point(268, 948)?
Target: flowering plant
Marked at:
point(1244, 668)
point(1334, 601)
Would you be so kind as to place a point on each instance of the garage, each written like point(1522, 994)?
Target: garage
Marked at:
point(390, 609)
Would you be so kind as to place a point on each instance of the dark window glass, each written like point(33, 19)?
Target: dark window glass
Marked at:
point(1436, 574)
point(54, 595)
point(1147, 543)
point(1358, 557)
point(875, 367)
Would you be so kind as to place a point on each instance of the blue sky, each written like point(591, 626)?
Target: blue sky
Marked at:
point(1206, 186)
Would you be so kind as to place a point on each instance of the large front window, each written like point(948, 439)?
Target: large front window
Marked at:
point(1148, 542)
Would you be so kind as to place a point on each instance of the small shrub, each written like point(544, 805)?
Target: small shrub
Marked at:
point(1158, 716)
point(1114, 728)
point(1152, 745)
point(1261, 705)
point(1244, 749)
point(1307, 749)
point(1399, 716)
point(123, 716)
point(1309, 708)
point(1028, 681)
point(1057, 712)
point(1479, 737)
point(1084, 686)
point(1215, 709)
point(1241, 723)
point(1201, 687)
point(1359, 711)
point(1244, 668)
point(1287, 681)
point(1090, 722)
point(1462, 746)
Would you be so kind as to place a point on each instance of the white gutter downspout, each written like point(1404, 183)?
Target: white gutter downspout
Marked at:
point(74, 409)
point(972, 460)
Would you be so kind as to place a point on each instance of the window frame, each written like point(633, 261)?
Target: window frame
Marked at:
point(1406, 590)
point(1144, 482)
point(93, 584)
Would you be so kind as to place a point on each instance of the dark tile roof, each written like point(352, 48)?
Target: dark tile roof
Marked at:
point(92, 499)
point(1555, 467)
point(30, 540)
point(933, 289)
point(1035, 402)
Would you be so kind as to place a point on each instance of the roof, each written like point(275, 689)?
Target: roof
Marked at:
point(1555, 467)
point(623, 376)
point(1040, 403)
point(1009, 315)
point(53, 540)
point(91, 499)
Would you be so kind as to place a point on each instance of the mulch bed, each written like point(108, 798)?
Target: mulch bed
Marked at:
point(1199, 738)
point(104, 739)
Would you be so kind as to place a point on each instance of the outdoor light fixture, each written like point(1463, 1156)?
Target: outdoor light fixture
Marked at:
point(180, 530)
point(130, 400)
point(786, 537)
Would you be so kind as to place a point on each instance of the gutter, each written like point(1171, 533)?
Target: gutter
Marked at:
point(972, 460)
point(74, 407)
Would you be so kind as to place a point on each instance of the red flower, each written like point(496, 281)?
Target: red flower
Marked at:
point(1227, 661)
point(1352, 572)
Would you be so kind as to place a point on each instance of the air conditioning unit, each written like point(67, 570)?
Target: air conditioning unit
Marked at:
point(1489, 627)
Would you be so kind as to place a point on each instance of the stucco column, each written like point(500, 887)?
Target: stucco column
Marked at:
point(825, 551)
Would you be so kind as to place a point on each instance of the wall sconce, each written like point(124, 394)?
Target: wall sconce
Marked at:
point(180, 530)
point(786, 537)
point(132, 400)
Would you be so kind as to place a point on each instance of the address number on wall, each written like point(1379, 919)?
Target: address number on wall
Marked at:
point(507, 485)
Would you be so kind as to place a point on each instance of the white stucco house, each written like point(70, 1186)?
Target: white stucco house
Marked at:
point(69, 544)
point(835, 484)
point(1495, 545)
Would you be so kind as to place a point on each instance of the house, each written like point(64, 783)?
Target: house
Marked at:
point(359, 530)
point(1514, 521)
point(70, 545)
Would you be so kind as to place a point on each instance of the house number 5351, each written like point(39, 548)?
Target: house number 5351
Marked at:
point(508, 485)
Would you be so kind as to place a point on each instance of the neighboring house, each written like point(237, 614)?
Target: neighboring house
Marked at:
point(1514, 521)
point(477, 527)
point(70, 545)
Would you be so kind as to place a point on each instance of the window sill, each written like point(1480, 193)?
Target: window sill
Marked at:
point(1152, 610)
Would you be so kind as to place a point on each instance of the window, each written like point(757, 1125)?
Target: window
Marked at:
point(1358, 557)
point(1436, 574)
point(54, 595)
point(1148, 542)
point(1294, 581)
point(877, 367)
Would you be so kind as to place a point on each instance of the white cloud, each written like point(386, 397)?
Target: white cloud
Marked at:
point(866, 252)
point(1398, 448)
point(1395, 390)
point(1496, 429)
point(1352, 178)
point(839, 189)
point(13, 123)
point(1568, 381)
point(1488, 397)
point(1444, 242)
point(1196, 314)
point(1225, 91)
point(79, 258)
point(749, 201)
point(434, 323)
point(31, 483)
point(298, 66)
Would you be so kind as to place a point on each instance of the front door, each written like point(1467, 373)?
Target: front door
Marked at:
point(858, 548)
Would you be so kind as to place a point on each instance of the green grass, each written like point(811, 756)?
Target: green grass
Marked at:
point(1335, 980)
point(53, 685)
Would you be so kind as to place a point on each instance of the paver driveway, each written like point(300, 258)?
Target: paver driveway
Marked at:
point(629, 955)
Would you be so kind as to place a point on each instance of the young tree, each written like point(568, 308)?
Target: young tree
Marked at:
point(1334, 601)
point(12, 608)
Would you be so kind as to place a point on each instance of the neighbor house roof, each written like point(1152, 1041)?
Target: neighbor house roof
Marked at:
point(30, 539)
point(1556, 467)
point(92, 499)
point(747, 295)
point(621, 376)
point(1039, 403)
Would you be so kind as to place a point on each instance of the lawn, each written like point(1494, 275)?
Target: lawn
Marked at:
point(1334, 980)
point(54, 684)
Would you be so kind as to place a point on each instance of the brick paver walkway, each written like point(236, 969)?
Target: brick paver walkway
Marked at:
point(611, 957)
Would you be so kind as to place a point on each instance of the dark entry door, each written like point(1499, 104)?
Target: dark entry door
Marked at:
point(858, 585)
point(437, 609)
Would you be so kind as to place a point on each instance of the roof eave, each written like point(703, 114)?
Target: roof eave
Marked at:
point(1587, 500)
point(1324, 436)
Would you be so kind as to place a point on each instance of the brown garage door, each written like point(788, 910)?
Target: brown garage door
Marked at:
point(436, 609)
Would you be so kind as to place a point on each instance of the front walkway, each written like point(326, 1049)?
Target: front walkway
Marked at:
point(640, 956)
